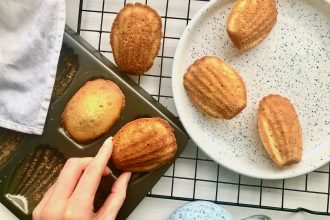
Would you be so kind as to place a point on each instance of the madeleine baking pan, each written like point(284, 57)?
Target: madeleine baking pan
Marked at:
point(29, 164)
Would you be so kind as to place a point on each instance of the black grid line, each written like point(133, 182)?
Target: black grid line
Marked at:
point(101, 24)
point(115, 13)
point(328, 190)
point(282, 203)
point(168, 57)
point(195, 158)
point(239, 188)
point(163, 48)
point(172, 182)
point(217, 184)
point(260, 197)
point(195, 174)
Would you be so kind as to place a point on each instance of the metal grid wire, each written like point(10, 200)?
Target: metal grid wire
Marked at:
point(194, 176)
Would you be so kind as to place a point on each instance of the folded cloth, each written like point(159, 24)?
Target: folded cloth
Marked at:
point(31, 34)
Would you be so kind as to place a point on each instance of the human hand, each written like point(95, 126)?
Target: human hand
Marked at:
point(72, 195)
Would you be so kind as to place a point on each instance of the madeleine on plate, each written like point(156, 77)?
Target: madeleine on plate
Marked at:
point(250, 21)
point(280, 130)
point(215, 88)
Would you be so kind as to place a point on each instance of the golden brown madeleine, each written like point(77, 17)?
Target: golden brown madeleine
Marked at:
point(280, 130)
point(250, 21)
point(143, 145)
point(215, 87)
point(93, 110)
point(135, 38)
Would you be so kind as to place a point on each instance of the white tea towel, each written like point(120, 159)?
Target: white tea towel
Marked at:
point(31, 35)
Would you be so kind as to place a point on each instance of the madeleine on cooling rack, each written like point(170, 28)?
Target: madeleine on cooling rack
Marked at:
point(135, 38)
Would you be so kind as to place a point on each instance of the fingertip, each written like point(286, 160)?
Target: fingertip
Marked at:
point(128, 175)
point(106, 148)
point(108, 141)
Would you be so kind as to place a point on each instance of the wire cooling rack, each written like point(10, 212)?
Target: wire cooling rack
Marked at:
point(194, 176)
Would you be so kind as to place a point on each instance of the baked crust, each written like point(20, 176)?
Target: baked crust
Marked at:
point(215, 87)
point(279, 129)
point(93, 110)
point(143, 145)
point(135, 38)
point(250, 21)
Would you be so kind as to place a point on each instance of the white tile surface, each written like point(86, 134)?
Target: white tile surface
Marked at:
point(170, 47)
point(163, 187)
point(227, 175)
point(166, 87)
point(183, 188)
point(318, 182)
point(273, 183)
point(152, 208)
point(271, 197)
point(167, 66)
point(195, 6)
point(296, 183)
point(177, 8)
point(250, 181)
point(227, 193)
point(93, 5)
point(91, 37)
point(150, 84)
point(311, 201)
point(205, 190)
point(159, 6)
point(184, 168)
point(207, 170)
point(175, 27)
point(107, 21)
point(113, 5)
point(91, 20)
point(249, 195)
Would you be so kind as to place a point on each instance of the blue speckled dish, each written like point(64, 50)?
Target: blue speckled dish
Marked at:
point(293, 61)
point(201, 210)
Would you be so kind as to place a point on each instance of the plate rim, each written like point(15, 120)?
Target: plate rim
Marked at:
point(175, 74)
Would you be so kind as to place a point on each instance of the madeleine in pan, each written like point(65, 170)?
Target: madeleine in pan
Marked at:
point(93, 110)
point(143, 145)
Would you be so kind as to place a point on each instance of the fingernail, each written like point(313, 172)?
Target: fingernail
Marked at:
point(108, 142)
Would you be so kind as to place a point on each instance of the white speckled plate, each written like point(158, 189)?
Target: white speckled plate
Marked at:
point(293, 61)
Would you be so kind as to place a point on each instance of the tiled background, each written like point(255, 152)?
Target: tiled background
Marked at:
point(194, 175)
